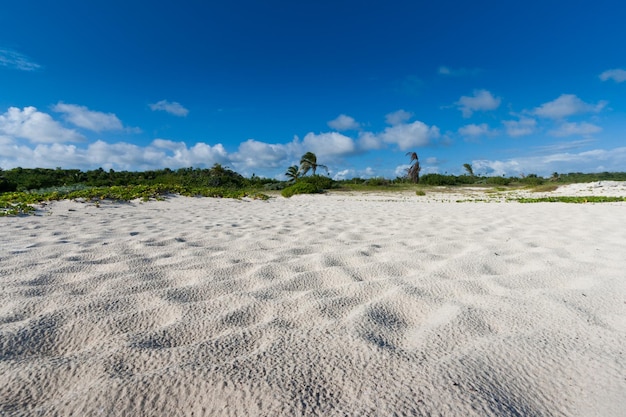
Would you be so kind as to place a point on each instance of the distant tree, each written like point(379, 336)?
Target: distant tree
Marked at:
point(309, 162)
point(555, 177)
point(469, 169)
point(413, 172)
point(293, 173)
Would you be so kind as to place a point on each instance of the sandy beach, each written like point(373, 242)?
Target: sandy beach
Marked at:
point(342, 304)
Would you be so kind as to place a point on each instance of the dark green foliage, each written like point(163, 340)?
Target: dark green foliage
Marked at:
point(466, 179)
point(319, 181)
point(601, 176)
point(293, 173)
point(498, 181)
point(21, 179)
point(308, 162)
point(468, 168)
point(438, 179)
point(301, 187)
point(378, 182)
point(531, 180)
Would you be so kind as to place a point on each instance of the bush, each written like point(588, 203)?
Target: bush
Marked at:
point(438, 179)
point(532, 180)
point(300, 187)
point(320, 182)
point(498, 181)
point(378, 182)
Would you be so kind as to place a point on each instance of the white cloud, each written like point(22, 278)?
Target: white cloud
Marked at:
point(522, 127)
point(397, 117)
point(173, 107)
point(474, 130)
point(254, 154)
point(569, 129)
point(567, 105)
point(329, 144)
point(618, 75)
point(401, 170)
point(35, 126)
point(81, 116)
point(369, 141)
point(343, 122)
point(482, 100)
point(344, 174)
point(15, 60)
point(119, 156)
point(410, 135)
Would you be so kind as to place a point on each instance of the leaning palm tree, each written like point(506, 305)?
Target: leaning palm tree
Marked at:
point(413, 172)
point(293, 173)
point(469, 169)
point(309, 162)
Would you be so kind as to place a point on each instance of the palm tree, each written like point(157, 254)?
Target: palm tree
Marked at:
point(413, 172)
point(293, 173)
point(469, 169)
point(309, 162)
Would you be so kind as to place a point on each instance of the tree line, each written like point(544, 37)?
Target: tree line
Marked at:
point(218, 176)
point(24, 179)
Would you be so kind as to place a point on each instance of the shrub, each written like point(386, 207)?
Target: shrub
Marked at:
point(320, 182)
point(378, 182)
point(532, 180)
point(300, 187)
point(420, 192)
point(438, 179)
point(498, 181)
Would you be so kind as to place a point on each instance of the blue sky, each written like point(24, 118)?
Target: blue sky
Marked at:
point(510, 87)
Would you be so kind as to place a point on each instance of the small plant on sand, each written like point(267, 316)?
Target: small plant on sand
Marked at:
point(420, 193)
point(15, 209)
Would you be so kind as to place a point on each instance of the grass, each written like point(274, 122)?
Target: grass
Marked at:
point(578, 200)
point(17, 203)
point(21, 203)
point(543, 188)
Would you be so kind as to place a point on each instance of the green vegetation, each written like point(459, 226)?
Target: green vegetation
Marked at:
point(15, 208)
point(22, 179)
point(14, 203)
point(564, 199)
point(309, 162)
point(293, 173)
point(21, 188)
point(300, 188)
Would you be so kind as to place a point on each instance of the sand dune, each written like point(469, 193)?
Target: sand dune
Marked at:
point(329, 305)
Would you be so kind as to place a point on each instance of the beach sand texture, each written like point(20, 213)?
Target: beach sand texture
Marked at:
point(326, 305)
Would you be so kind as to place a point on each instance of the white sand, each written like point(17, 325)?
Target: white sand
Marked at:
point(329, 305)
